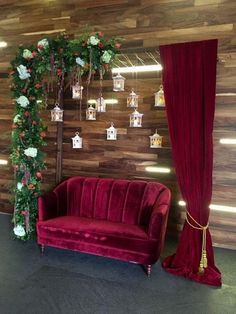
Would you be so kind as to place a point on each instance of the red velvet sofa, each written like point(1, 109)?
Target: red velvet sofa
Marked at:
point(116, 218)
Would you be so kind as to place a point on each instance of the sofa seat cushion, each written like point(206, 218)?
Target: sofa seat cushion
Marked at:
point(86, 227)
point(80, 233)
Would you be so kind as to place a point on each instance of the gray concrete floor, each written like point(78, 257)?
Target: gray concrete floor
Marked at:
point(64, 282)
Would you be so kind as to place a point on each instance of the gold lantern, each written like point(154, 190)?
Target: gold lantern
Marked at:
point(112, 133)
point(77, 91)
point(155, 140)
point(77, 141)
point(101, 104)
point(91, 113)
point(132, 100)
point(159, 98)
point(118, 83)
point(57, 114)
point(135, 119)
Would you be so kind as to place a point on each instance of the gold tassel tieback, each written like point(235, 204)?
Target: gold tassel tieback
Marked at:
point(203, 260)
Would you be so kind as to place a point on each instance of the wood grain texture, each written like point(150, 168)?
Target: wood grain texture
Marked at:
point(143, 25)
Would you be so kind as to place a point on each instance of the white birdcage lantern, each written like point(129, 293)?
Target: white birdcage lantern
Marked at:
point(159, 98)
point(112, 133)
point(155, 140)
point(91, 113)
point(77, 141)
point(132, 100)
point(135, 119)
point(57, 114)
point(77, 91)
point(118, 83)
point(101, 104)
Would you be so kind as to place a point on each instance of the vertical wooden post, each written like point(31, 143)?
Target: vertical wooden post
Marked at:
point(59, 139)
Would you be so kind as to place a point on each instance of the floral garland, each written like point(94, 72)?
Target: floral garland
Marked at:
point(33, 72)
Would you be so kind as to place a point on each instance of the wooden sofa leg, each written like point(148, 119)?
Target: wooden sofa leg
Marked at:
point(148, 269)
point(42, 248)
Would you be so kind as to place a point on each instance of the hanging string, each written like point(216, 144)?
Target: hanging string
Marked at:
point(100, 81)
point(81, 94)
point(90, 66)
point(203, 261)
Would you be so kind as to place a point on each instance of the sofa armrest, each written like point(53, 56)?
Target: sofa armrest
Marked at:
point(157, 226)
point(158, 221)
point(47, 206)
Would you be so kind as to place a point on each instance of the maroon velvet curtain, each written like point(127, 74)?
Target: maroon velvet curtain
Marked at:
point(189, 79)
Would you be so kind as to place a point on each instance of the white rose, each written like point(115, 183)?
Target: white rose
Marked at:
point(79, 61)
point(106, 57)
point(42, 44)
point(23, 73)
point(31, 152)
point(19, 186)
point(23, 101)
point(93, 40)
point(16, 118)
point(27, 54)
point(19, 231)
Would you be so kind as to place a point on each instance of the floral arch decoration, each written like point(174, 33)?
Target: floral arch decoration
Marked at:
point(34, 70)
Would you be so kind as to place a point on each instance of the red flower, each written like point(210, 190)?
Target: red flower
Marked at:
point(39, 175)
point(31, 186)
point(22, 134)
point(101, 34)
point(26, 113)
point(42, 134)
point(34, 122)
point(100, 45)
point(40, 46)
point(59, 72)
point(24, 90)
point(38, 85)
point(23, 182)
point(117, 45)
point(14, 126)
point(31, 98)
point(24, 212)
point(34, 54)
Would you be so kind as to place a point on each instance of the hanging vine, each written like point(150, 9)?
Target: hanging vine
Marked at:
point(34, 70)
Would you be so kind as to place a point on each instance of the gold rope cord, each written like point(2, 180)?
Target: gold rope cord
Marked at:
point(203, 261)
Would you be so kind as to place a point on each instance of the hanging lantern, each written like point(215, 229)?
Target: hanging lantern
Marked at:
point(112, 133)
point(101, 104)
point(118, 83)
point(77, 141)
point(155, 140)
point(135, 119)
point(77, 91)
point(132, 100)
point(57, 114)
point(159, 98)
point(91, 113)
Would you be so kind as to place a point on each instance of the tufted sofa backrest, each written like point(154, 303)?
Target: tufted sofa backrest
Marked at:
point(116, 200)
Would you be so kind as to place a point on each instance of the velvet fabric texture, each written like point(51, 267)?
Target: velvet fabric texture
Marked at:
point(189, 79)
point(116, 218)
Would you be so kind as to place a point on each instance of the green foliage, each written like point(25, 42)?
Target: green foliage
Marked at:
point(52, 58)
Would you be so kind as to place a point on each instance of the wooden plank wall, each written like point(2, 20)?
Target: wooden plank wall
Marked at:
point(144, 25)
